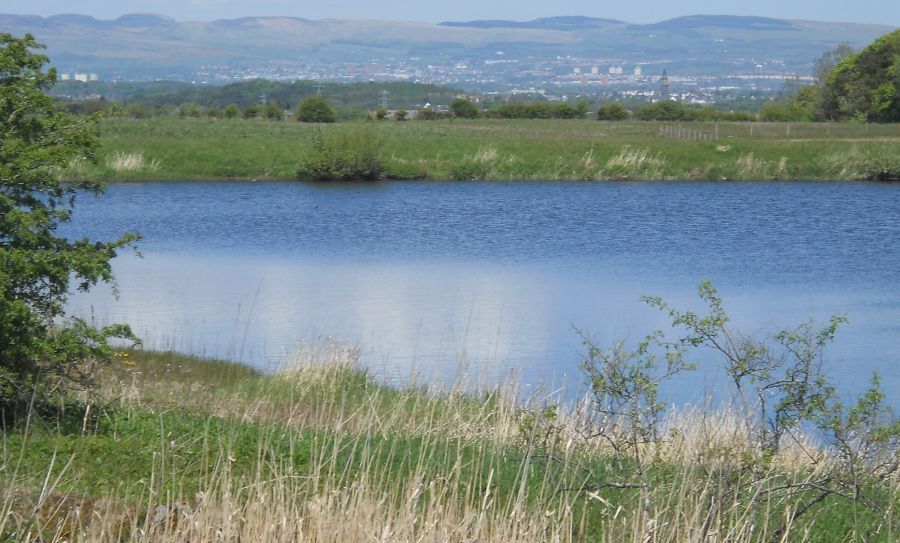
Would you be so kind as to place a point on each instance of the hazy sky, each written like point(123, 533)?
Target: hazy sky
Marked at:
point(863, 11)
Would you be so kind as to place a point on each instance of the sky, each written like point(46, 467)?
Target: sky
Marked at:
point(645, 11)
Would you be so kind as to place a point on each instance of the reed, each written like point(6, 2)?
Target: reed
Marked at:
point(172, 448)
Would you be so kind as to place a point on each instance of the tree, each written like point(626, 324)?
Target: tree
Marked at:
point(315, 109)
point(42, 349)
point(464, 109)
point(401, 115)
point(829, 59)
point(866, 86)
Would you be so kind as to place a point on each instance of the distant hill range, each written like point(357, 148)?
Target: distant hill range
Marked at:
point(143, 46)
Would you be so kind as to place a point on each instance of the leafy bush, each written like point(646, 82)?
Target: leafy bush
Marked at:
point(342, 155)
point(315, 109)
point(612, 112)
point(780, 391)
point(539, 110)
point(274, 112)
point(464, 109)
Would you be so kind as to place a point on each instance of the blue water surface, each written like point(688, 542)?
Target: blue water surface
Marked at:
point(430, 277)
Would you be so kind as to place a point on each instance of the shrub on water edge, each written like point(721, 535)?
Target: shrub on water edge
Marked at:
point(342, 155)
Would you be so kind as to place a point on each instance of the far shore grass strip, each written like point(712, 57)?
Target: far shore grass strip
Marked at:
point(166, 149)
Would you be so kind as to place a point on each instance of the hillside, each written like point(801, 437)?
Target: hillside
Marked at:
point(143, 46)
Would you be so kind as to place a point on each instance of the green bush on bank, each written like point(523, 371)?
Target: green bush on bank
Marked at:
point(342, 155)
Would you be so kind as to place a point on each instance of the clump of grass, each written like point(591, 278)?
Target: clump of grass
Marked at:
point(486, 163)
point(632, 163)
point(131, 162)
point(872, 164)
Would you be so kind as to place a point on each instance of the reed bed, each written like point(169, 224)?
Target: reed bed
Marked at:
point(172, 448)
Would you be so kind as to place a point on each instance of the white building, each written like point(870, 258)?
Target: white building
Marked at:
point(637, 70)
point(81, 77)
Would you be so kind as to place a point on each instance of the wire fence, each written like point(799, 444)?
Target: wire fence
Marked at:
point(712, 131)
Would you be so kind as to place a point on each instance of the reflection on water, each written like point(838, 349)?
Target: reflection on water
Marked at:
point(428, 277)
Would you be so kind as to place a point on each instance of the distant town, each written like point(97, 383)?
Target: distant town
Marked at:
point(551, 79)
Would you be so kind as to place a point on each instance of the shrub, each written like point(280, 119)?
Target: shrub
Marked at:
point(274, 112)
point(464, 109)
point(780, 390)
point(612, 112)
point(251, 112)
point(342, 155)
point(315, 109)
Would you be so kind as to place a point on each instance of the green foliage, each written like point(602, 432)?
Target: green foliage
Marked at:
point(380, 114)
point(665, 110)
point(624, 386)
point(464, 109)
point(866, 86)
point(429, 114)
point(538, 110)
point(315, 109)
point(232, 111)
point(800, 107)
point(252, 111)
point(669, 110)
point(366, 96)
point(401, 115)
point(42, 349)
point(274, 112)
point(612, 112)
point(780, 390)
point(342, 155)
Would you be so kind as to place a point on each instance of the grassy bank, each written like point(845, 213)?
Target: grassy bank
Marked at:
point(185, 149)
point(181, 449)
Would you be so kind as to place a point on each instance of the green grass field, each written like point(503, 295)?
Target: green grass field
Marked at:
point(189, 149)
point(174, 448)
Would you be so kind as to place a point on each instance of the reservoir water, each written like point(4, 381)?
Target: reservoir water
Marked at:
point(427, 278)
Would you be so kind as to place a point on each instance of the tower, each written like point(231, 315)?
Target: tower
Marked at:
point(664, 85)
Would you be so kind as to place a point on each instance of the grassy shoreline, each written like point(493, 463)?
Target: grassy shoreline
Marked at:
point(163, 149)
point(178, 448)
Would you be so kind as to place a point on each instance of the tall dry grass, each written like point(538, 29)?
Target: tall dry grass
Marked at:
point(338, 457)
